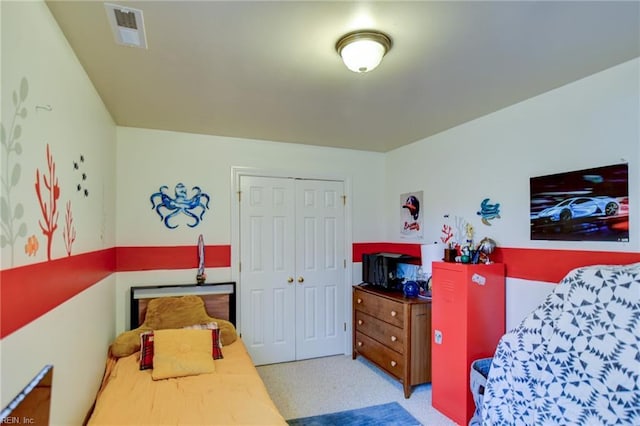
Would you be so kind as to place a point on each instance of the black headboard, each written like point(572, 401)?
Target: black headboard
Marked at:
point(219, 298)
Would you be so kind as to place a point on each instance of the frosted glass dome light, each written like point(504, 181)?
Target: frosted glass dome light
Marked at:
point(362, 51)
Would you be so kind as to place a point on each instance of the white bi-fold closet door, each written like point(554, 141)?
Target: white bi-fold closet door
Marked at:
point(292, 260)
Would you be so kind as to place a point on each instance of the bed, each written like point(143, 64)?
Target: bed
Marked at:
point(575, 360)
point(199, 371)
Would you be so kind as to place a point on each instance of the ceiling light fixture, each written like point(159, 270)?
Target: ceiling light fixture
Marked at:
point(362, 51)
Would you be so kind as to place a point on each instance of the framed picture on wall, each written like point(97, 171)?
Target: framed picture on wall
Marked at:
point(582, 205)
point(411, 215)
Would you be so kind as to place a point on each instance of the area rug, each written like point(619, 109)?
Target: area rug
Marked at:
point(376, 415)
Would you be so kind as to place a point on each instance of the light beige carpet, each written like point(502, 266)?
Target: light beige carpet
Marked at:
point(330, 384)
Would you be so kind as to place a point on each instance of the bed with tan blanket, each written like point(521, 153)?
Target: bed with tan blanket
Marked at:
point(196, 371)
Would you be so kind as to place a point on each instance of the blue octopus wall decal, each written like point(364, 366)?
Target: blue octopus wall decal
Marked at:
point(168, 207)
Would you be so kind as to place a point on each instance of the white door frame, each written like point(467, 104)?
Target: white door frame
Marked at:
point(236, 173)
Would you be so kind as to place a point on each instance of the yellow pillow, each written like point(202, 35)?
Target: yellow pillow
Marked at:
point(180, 352)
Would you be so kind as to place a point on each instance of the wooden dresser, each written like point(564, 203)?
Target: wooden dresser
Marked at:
point(393, 332)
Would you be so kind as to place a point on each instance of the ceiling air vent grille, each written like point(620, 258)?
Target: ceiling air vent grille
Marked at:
point(127, 25)
point(126, 19)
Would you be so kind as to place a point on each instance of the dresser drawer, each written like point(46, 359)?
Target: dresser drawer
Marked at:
point(385, 333)
point(385, 358)
point(382, 308)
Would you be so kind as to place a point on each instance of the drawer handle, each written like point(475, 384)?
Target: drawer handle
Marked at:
point(359, 344)
point(394, 338)
point(359, 322)
point(359, 300)
point(393, 363)
point(394, 313)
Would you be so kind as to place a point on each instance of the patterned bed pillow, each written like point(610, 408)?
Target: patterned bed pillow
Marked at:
point(147, 347)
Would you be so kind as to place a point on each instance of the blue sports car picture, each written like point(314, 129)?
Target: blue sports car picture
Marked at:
point(591, 204)
point(580, 207)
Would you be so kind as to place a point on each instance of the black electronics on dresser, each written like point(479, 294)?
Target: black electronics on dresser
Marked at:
point(381, 269)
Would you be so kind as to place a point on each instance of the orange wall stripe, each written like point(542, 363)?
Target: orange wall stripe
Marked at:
point(180, 257)
point(31, 291)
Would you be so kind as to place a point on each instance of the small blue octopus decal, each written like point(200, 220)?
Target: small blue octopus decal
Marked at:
point(488, 211)
point(168, 207)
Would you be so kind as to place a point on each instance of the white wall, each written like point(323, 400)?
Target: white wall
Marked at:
point(589, 123)
point(73, 337)
point(78, 124)
point(148, 159)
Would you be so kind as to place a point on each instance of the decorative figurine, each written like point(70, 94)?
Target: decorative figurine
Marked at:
point(201, 276)
point(486, 247)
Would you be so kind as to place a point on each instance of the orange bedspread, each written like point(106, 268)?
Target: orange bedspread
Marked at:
point(234, 394)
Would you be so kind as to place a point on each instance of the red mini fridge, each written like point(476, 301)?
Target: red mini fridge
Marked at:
point(468, 320)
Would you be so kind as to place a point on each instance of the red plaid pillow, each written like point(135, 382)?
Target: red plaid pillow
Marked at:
point(146, 350)
point(146, 347)
point(216, 343)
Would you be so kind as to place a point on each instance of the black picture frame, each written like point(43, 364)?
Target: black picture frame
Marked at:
point(582, 205)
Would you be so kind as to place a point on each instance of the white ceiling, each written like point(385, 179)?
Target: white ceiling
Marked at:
point(268, 69)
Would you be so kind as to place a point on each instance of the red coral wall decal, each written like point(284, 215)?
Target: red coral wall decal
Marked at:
point(49, 208)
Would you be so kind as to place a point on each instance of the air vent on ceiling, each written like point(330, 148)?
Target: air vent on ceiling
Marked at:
point(127, 25)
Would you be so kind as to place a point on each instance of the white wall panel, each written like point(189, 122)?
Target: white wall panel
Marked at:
point(589, 123)
point(207, 161)
point(522, 297)
point(64, 112)
point(74, 338)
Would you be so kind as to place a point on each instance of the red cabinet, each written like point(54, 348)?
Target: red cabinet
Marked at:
point(468, 320)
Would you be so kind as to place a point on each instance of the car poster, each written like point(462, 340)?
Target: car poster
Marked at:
point(411, 215)
point(582, 205)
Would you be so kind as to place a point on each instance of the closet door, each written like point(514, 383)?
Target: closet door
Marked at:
point(319, 268)
point(267, 268)
point(291, 268)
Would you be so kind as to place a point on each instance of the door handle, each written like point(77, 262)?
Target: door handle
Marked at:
point(300, 279)
point(290, 280)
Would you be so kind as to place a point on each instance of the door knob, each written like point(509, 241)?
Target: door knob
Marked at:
point(290, 280)
point(300, 279)
point(394, 338)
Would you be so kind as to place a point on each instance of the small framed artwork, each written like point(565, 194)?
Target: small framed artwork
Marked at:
point(583, 205)
point(411, 215)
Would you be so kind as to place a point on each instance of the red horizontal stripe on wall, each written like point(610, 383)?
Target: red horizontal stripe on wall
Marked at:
point(31, 291)
point(529, 264)
point(552, 265)
point(179, 257)
point(359, 249)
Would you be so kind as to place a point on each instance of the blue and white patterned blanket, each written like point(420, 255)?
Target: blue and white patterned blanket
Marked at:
point(575, 360)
